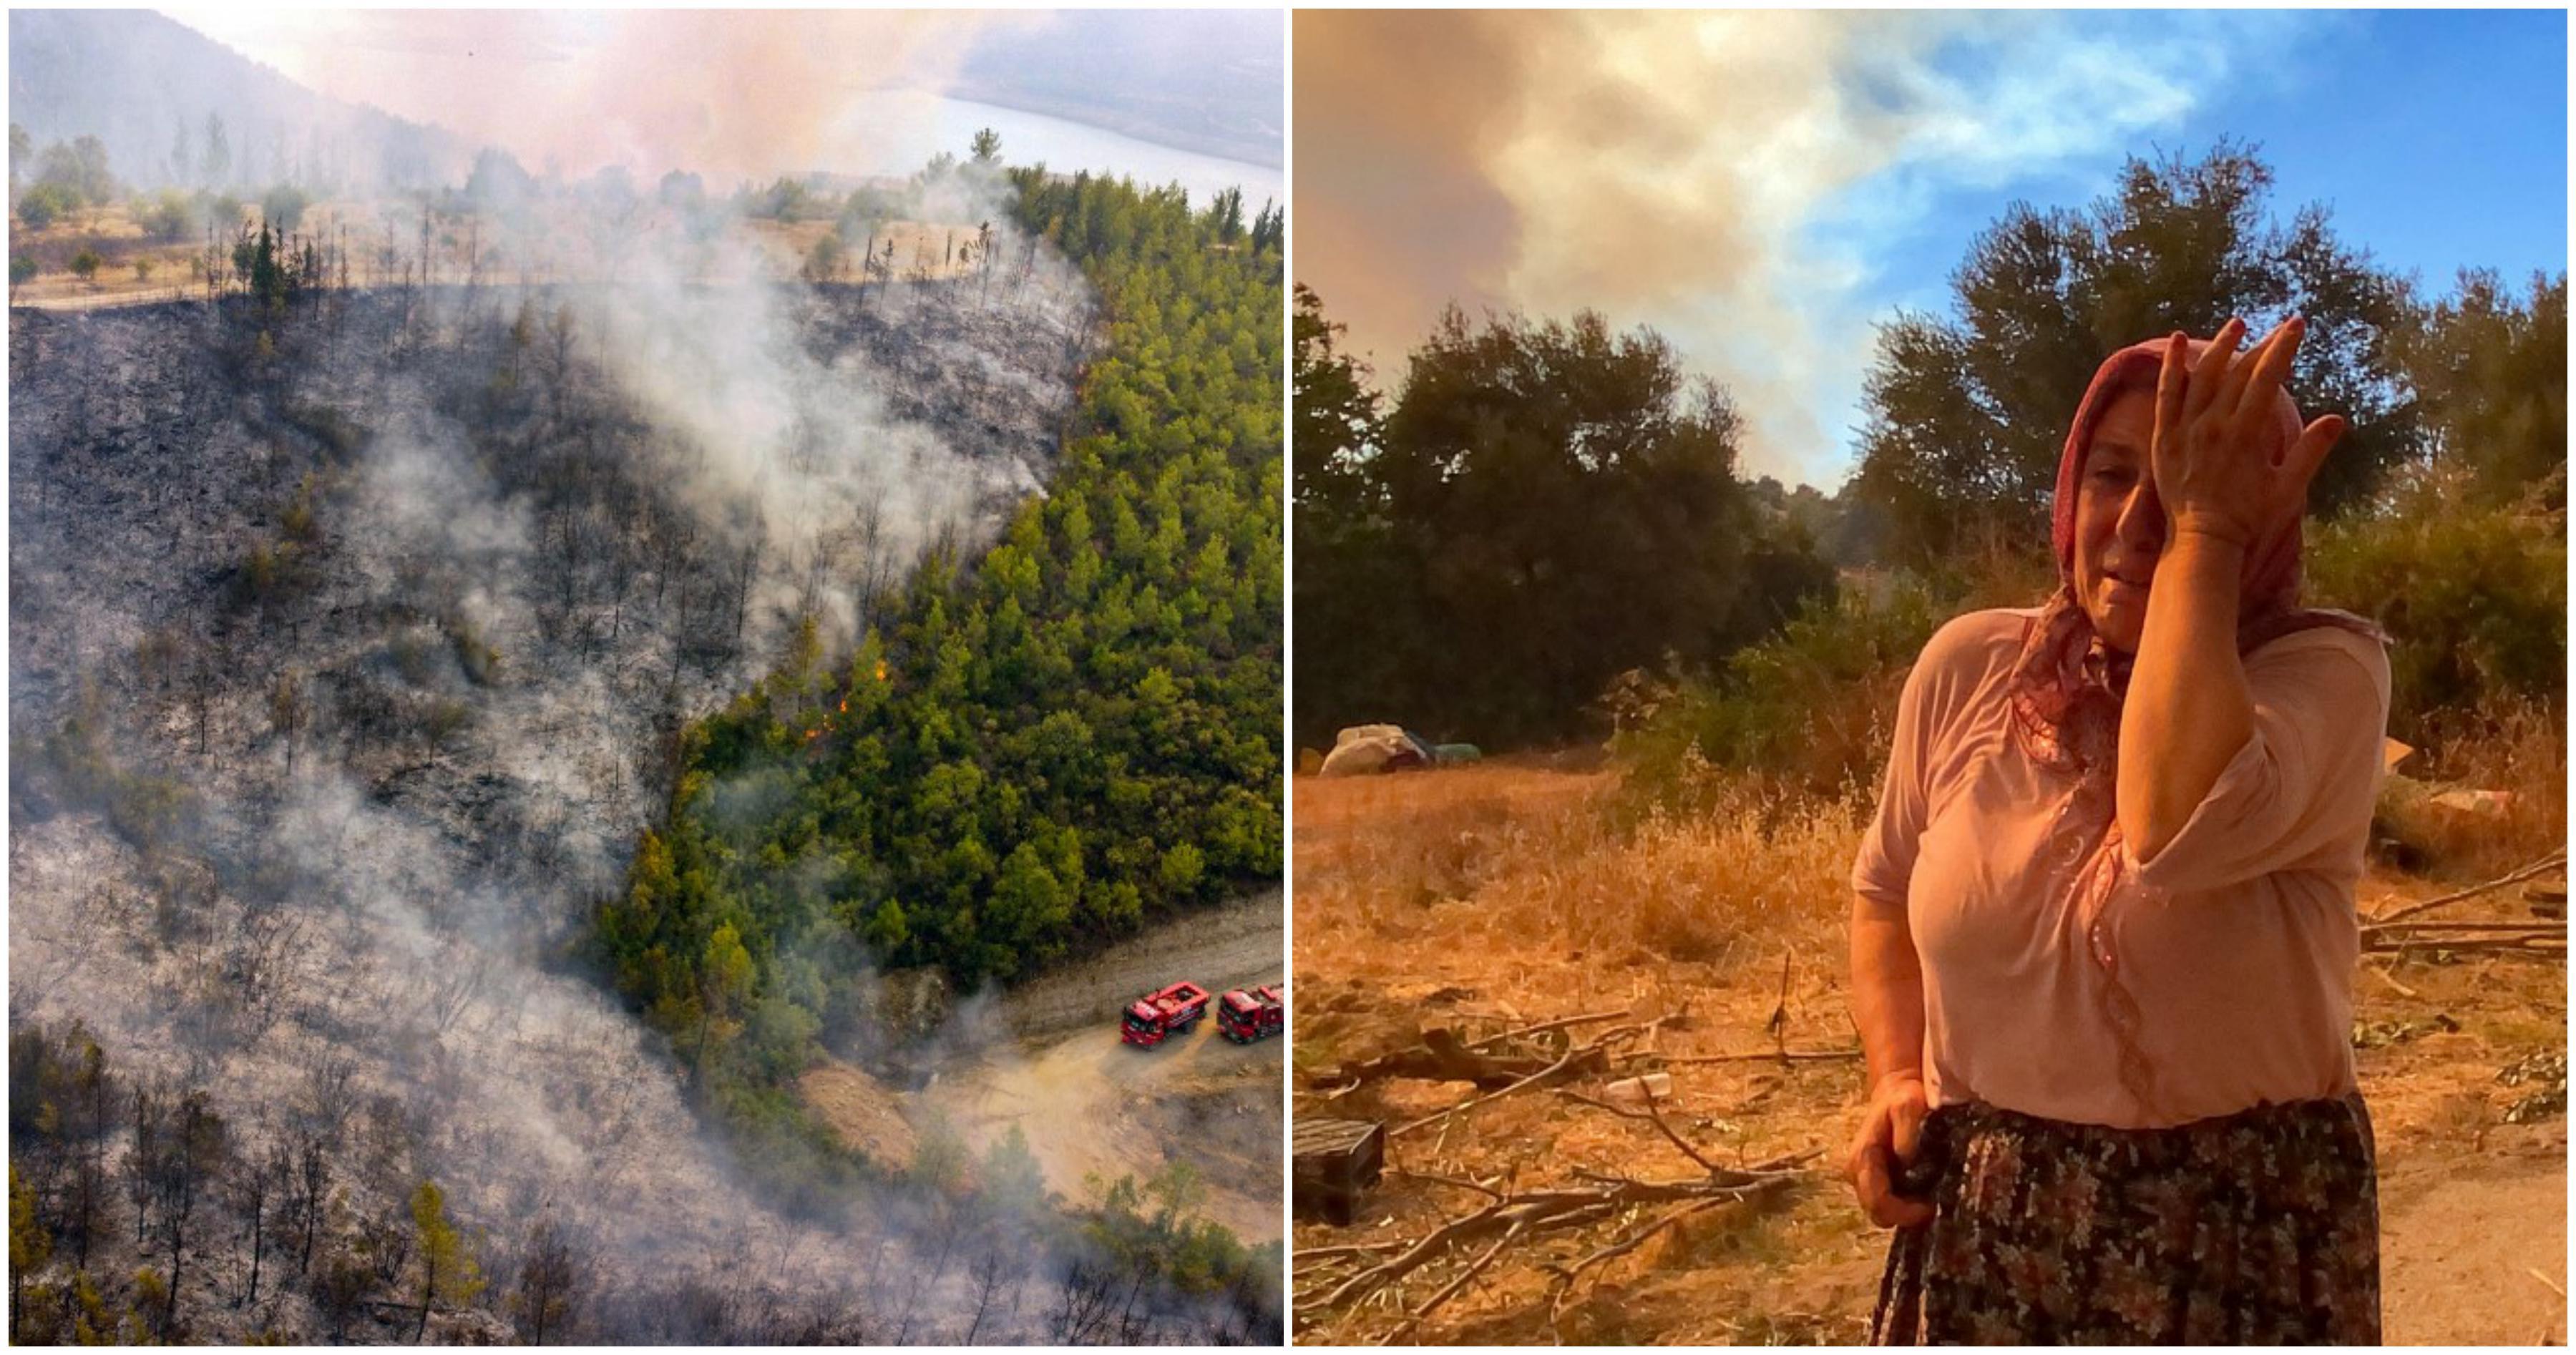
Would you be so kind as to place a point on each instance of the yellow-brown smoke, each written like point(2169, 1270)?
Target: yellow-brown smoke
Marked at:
point(729, 93)
point(1655, 166)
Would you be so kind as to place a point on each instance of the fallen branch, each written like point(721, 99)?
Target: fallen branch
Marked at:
point(1440, 1058)
point(1353, 1249)
point(2556, 860)
point(1766, 1056)
point(2554, 943)
point(1579, 1060)
point(1465, 1277)
point(2550, 928)
point(1652, 1116)
point(1543, 1027)
point(1563, 1287)
point(1538, 1211)
point(1460, 1182)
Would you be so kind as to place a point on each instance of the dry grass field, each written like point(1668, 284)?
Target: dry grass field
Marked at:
point(1489, 898)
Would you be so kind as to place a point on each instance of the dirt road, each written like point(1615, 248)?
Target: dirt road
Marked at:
point(1048, 1058)
point(1233, 945)
point(2465, 1243)
point(1091, 1105)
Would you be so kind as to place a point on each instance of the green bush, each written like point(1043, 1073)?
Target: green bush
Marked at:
point(168, 217)
point(481, 661)
point(46, 203)
point(283, 206)
point(2475, 600)
point(1812, 705)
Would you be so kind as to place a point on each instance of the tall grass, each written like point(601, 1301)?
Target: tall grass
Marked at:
point(1518, 862)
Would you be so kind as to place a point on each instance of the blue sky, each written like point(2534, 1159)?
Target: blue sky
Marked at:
point(2438, 139)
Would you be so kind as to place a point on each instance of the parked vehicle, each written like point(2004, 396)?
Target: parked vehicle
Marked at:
point(1246, 1015)
point(1158, 1016)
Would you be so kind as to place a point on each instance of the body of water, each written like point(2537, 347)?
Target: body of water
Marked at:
point(898, 130)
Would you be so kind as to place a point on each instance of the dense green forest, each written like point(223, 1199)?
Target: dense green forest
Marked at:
point(1540, 534)
point(1043, 748)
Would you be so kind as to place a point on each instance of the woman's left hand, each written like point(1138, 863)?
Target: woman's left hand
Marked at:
point(2214, 421)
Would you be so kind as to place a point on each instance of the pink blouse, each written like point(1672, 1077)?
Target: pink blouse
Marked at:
point(2223, 969)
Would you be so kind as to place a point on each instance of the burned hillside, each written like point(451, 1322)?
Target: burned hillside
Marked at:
point(351, 643)
point(451, 545)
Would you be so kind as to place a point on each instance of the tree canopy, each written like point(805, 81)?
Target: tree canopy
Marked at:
point(1543, 505)
point(1967, 413)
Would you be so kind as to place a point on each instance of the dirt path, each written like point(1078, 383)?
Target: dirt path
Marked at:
point(1236, 944)
point(1091, 1105)
point(2459, 1240)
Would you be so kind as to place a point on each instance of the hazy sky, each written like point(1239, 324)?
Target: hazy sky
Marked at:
point(1761, 186)
point(730, 93)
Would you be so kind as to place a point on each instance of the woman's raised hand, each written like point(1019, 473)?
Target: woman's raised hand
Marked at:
point(2214, 422)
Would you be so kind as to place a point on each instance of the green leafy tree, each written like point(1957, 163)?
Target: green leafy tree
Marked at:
point(80, 168)
point(217, 166)
point(1967, 412)
point(283, 207)
point(449, 1273)
point(29, 1247)
point(1225, 216)
point(44, 204)
point(2490, 371)
point(990, 781)
point(986, 146)
point(724, 986)
point(1545, 505)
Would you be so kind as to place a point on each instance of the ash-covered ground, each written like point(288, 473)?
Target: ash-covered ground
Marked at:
point(349, 644)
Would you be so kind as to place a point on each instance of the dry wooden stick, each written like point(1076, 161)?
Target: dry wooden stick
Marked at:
point(1465, 1277)
point(2556, 859)
point(1565, 1066)
point(1436, 1179)
point(1543, 1027)
point(2440, 926)
point(1767, 1056)
point(1652, 1115)
point(2552, 944)
point(1568, 1275)
point(1310, 1253)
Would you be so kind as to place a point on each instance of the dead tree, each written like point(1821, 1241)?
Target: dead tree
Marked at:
point(550, 1283)
point(257, 1188)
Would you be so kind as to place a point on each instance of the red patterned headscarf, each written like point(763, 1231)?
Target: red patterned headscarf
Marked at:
point(2068, 690)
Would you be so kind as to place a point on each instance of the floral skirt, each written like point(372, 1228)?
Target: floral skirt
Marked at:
point(2260, 1228)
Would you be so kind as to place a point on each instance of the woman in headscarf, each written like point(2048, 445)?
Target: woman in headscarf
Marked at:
point(2105, 928)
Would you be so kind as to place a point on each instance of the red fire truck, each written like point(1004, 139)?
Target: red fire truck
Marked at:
point(1156, 1016)
point(1244, 1016)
